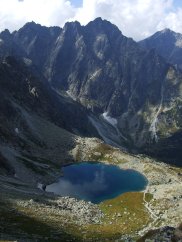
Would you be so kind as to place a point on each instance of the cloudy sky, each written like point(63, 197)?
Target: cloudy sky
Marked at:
point(135, 18)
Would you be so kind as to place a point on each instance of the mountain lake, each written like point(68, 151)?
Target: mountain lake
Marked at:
point(96, 182)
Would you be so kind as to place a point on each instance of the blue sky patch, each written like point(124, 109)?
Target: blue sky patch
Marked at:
point(77, 3)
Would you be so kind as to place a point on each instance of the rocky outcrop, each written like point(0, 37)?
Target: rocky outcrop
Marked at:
point(164, 234)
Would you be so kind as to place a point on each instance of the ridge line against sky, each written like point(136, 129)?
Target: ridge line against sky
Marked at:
point(135, 18)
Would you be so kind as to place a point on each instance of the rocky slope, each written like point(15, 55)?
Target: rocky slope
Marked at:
point(134, 94)
point(34, 122)
point(168, 44)
point(164, 234)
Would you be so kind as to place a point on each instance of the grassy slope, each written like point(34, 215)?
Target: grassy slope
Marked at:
point(124, 215)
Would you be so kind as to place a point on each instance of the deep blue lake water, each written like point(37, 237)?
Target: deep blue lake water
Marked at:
point(96, 182)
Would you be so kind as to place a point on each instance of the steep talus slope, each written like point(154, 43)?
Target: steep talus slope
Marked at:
point(33, 122)
point(34, 93)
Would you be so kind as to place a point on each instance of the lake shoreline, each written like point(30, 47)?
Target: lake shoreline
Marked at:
point(107, 181)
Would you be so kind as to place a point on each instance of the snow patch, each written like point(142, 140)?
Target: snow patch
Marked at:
point(41, 186)
point(109, 119)
point(114, 123)
point(16, 130)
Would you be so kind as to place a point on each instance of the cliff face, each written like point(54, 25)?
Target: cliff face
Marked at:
point(166, 43)
point(131, 93)
point(19, 86)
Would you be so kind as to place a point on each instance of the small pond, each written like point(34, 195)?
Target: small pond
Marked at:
point(96, 182)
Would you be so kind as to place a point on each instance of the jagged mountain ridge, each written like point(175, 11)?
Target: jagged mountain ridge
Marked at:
point(107, 72)
point(166, 43)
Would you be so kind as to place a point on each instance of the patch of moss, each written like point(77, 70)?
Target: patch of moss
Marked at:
point(148, 197)
point(124, 215)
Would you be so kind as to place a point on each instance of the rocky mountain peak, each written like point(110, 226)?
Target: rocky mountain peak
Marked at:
point(103, 25)
point(72, 25)
point(30, 27)
point(31, 24)
point(71, 29)
point(166, 43)
point(166, 31)
point(32, 30)
point(107, 73)
point(5, 34)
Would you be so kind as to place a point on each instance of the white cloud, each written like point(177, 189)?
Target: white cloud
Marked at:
point(173, 20)
point(15, 13)
point(135, 18)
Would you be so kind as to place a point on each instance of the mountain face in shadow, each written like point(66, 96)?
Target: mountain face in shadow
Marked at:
point(166, 43)
point(100, 75)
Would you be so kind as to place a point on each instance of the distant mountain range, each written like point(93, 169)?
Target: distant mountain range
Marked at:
point(93, 81)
